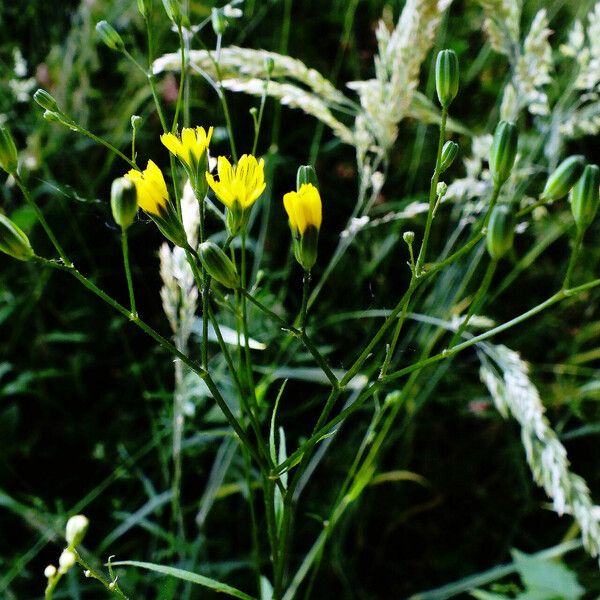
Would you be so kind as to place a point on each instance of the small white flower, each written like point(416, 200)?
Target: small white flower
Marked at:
point(50, 571)
point(67, 560)
point(76, 529)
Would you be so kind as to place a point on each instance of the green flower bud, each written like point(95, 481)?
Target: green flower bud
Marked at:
point(9, 160)
point(173, 10)
point(219, 21)
point(143, 7)
point(306, 174)
point(76, 529)
point(123, 202)
point(45, 100)
point(218, 265)
point(501, 231)
point(136, 121)
point(585, 196)
point(449, 152)
point(563, 178)
point(53, 117)
point(13, 241)
point(503, 151)
point(408, 237)
point(270, 64)
point(446, 77)
point(109, 36)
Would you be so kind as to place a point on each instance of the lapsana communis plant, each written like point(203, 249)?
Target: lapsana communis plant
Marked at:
point(277, 466)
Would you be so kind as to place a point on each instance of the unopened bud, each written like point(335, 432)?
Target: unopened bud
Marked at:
point(563, 178)
point(442, 188)
point(13, 241)
point(66, 561)
point(501, 231)
point(306, 174)
point(123, 202)
point(449, 152)
point(446, 77)
point(9, 160)
point(109, 36)
point(143, 8)
point(52, 117)
point(218, 265)
point(409, 237)
point(585, 196)
point(136, 121)
point(219, 21)
point(76, 529)
point(270, 65)
point(503, 151)
point(49, 571)
point(46, 100)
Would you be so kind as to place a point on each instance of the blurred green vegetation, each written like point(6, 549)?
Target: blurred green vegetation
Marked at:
point(86, 402)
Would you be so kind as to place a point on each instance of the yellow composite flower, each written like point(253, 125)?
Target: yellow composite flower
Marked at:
point(190, 147)
point(242, 184)
point(151, 188)
point(303, 208)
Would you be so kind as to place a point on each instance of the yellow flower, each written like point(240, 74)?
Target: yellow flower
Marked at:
point(303, 208)
point(151, 188)
point(190, 148)
point(239, 185)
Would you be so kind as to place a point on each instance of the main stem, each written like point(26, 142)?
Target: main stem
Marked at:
point(125, 249)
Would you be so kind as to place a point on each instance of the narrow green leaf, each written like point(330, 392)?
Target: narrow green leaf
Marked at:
point(217, 586)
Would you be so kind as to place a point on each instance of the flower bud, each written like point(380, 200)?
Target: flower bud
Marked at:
point(219, 21)
point(143, 8)
point(408, 237)
point(449, 152)
point(13, 241)
point(52, 117)
point(503, 151)
point(305, 248)
point(218, 265)
point(49, 571)
point(46, 100)
point(446, 77)
point(585, 196)
point(66, 560)
point(173, 10)
point(123, 202)
point(306, 174)
point(76, 529)
point(136, 121)
point(270, 64)
point(563, 178)
point(501, 231)
point(8, 151)
point(109, 36)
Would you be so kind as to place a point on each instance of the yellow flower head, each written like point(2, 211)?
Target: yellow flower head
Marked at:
point(303, 208)
point(192, 145)
point(151, 188)
point(242, 184)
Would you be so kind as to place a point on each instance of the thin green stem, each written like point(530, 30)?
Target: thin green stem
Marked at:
point(125, 249)
point(248, 357)
point(560, 295)
point(102, 141)
point(305, 290)
point(40, 217)
point(181, 79)
point(477, 300)
point(574, 256)
point(261, 110)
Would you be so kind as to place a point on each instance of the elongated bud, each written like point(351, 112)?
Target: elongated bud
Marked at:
point(503, 151)
point(219, 21)
point(123, 202)
point(449, 152)
point(173, 10)
point(13, 240)
point(563, 178)
point(52, 117)
point(501, 231)
point(306, 174)
point(66, 560)
point(46, 100)
point(218, 265)
point(109, 36)
point(143, 7)
point(446, 77)
point(76, 529)
point(585, 196)
point(9, 160)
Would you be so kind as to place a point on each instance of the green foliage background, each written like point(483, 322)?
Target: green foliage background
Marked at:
point(85, 401)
